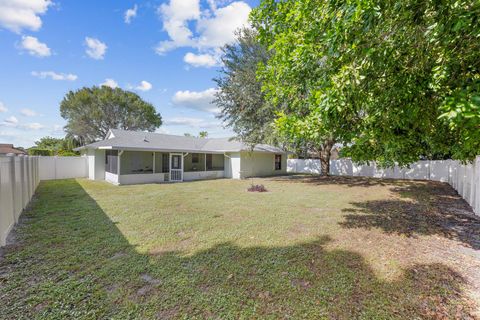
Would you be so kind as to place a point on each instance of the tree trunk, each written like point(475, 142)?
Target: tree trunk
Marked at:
point(325, 153)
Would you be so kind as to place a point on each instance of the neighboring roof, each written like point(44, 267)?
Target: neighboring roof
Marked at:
point(8, 148)
point(122, 139)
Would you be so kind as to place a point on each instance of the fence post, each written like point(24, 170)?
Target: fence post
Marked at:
point(13, 184)
point(2, 208)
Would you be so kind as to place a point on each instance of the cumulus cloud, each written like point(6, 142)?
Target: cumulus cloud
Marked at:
point(197, 100)
point(144, 86)
point(3, 108)
point(35, 47)
point(54, 75)
point(175, 16)
point(110, 83)
point(219, 29)
point(11, 121)
point(208, 30)
point(130, 14)
point(28, 112)
point(16, 15)
point(96, 49)
point(200, 60)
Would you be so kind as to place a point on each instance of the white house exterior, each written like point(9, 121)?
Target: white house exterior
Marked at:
point(130, 157)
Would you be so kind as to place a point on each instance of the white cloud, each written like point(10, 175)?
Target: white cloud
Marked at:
point(96, 49)
point(200, 60)
point(207, 30)
point(110, 83)
point(28, 112)
point(33, 126)
point(11, 121)
point(3, 108)
point(197, 100)
point(130, 13)
point(54, 76)
point(35, 47)
point(16, 15)
point(175, 16)
point(144, 86)
point(220, 29)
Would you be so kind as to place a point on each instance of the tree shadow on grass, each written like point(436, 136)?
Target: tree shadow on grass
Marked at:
point(431, 208)
point(339, 180)
point(72, 261)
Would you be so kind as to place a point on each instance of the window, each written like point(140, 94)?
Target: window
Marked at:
point(209, 161)
point(195, 157)
point(111, 161)
point(278, 162)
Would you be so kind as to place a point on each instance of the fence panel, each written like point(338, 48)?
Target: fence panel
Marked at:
point(19, 178)
point(52, 168)
point(463, 178)
point(7, 219)
point(18, 181)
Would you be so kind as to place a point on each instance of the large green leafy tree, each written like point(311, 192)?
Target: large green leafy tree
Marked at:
point(239, 97)
point(394, 81)
point(310, 79)
point(91, 112)
point(421, 75)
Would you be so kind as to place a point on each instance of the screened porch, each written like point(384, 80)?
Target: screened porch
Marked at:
point(128, 167)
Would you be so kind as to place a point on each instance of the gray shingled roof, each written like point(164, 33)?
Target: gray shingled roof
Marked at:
point(135, 140)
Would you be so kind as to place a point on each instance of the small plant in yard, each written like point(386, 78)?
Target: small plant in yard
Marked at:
point(257, 188)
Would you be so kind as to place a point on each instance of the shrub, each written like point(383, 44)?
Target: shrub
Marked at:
point(257, 188)
point(39, 152)
point(67, 153)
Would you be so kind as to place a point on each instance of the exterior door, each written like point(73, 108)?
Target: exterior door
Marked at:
point(176, 167)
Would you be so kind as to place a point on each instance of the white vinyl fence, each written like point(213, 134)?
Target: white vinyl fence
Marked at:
point(54, 168)
point(19, 178)
point(463, 178)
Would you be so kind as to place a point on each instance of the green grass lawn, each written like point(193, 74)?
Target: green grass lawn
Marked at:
point(334, 248)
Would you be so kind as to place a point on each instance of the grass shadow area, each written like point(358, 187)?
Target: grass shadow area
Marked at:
point(430, 208)
point(72, 262)
point(339, 180)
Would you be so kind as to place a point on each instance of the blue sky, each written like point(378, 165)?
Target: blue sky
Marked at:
point(166, 51)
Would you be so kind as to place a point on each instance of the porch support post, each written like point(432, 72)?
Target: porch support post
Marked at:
point(153, 166)
point(205, 162)
point(118, 163)
point(183, 163)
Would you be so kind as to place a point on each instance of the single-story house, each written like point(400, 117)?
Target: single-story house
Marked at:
point(131, 157)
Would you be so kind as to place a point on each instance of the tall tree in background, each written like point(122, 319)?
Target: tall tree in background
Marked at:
point(393, 81)
point(240, 98)
point(308, 74)
point(91, 112)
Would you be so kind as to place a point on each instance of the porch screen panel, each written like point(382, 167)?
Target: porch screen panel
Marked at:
point(111, 161)
point(215, 162)
point(209, 161)
point(165, 163)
